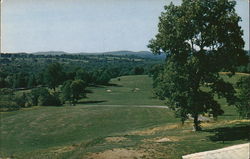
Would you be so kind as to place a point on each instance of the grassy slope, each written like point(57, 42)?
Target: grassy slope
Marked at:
point(123, 92)
point(74, 132)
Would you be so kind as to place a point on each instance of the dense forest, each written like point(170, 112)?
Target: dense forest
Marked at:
point(47, 79)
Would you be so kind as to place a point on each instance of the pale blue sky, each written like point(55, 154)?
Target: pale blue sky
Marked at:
point(86, 25)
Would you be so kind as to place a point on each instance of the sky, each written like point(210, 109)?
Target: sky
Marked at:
point(86, 25)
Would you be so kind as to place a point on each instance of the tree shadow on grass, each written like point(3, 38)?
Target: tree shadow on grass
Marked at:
point(229, 115)
point(113, 84)
point(108, 84)
point(92, 101)
point(232, 133)
point(88, 91)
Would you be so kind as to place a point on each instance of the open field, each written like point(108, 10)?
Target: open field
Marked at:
point(109, 125)
point(126, 90)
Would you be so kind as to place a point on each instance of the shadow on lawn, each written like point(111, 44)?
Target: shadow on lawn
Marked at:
point(92, 101)
point(104, 85)
point(113, 84)
point(236, 132)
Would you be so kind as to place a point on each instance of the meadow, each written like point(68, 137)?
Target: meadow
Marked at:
point(122, 120)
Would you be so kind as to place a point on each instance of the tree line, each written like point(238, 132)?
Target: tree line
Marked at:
point(57, 83)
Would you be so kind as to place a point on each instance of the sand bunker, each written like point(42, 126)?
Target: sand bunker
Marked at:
point(115, 139)
point(119, 153)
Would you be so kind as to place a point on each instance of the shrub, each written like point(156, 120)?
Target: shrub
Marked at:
point(243, 104)
point(42, 97)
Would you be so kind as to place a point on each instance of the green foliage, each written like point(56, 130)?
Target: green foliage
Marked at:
point(54, 75)
point(78, 89)
point(73, 90)
point(6, 100)
point(32, 81)
point(20, 80)
point(138, 70)
point(42, 97)
point(66, 91)
point(243, 104)
point(3, 82)
point(23, 70)
point(21, 100)
point(198, 46)
point(81, 74)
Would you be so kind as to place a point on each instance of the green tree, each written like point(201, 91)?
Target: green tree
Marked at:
point(42, 97)
point(81, 74)
point(77, 90)
point(138, 70)
point(103, 77)
point(20, 80)
point(20, 99)
point(7, 102)
point(73, 90)
point(243, 94)
point(200, 38)
point(32, 81)
point(54, 75)
point(66, 91)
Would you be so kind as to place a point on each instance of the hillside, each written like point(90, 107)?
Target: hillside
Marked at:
point(142, 54)
point(103, 126)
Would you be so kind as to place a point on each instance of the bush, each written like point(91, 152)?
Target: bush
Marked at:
point(8, 106)
point(6, 100)
point(49, 99)
point(243, 104)
point(21, 100)
point(42, 97)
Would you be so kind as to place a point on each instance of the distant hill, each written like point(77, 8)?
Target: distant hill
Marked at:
point(143, 54)
point(50, 53)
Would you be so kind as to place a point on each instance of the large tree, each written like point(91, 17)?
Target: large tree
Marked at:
point(54, 75)
point(200, 38)
point(73, 90)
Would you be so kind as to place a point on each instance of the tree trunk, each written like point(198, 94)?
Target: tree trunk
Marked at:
point(196, 123)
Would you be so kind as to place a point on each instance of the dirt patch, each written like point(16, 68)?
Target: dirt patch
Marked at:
point(64, 149)
point(119, 153)
point(167, 139)
point(237, 121)
point(155, 130)
point(237, 73)
point(163, 139)
point(115, 139)
point(225, 122)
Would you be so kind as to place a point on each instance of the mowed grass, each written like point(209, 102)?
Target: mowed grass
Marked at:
point(126, 90)
point(45, 127)
point(82, 131)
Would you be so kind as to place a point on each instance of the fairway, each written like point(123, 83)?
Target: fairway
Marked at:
point(125, 90)
point(124, 122)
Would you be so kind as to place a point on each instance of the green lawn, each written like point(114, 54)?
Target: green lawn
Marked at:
point(93, 127)
point(130, 90)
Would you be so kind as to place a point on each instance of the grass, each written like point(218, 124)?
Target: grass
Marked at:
point(30, 130)
point(126, 90)
point(82, 131)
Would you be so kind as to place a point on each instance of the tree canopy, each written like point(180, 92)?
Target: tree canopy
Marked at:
point(73, 90)
point(54, 75)
point(200, 38)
